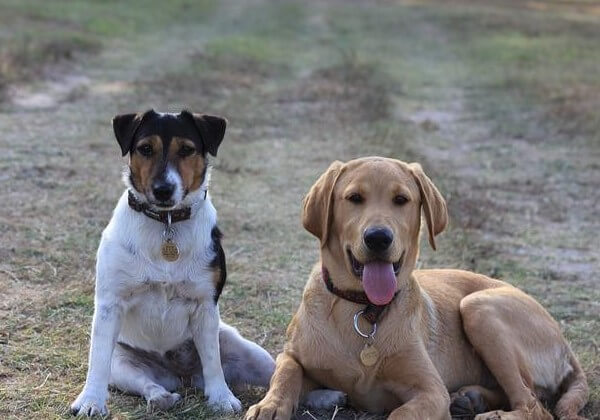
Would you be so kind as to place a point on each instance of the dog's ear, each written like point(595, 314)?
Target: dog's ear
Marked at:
point(434, 205)
point(211, 130)
point(318, 203)
point(125, 127)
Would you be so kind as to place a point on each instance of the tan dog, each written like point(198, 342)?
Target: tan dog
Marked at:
point(436, 331)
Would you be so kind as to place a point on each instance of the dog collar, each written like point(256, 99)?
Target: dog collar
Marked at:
point(371, 312)
point(177, 215)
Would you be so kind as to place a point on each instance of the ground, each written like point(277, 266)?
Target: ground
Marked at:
point(498, 101)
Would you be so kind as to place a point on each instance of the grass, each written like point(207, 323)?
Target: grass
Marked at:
point(37, 36)
point(497, 101)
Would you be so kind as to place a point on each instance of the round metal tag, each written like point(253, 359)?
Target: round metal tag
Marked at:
point(169, 251)
point(369, 355)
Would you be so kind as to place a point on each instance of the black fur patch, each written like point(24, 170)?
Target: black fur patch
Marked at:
point(206, 131)
point(219, 261)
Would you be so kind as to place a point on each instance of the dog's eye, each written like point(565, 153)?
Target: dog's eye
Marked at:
point(145, 150)
point(355, 198)
point(400, 200)
point(186, 151)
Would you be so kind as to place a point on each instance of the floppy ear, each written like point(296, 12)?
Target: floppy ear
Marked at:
point(318, 203)
point(125, 126)
point(434, 205)
point(210, 128)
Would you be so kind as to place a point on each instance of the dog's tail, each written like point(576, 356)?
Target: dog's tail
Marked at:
point(574, 392)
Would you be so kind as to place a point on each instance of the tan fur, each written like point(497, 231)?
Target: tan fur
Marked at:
point(143, 169)
point(447, 331)
point(191, 168)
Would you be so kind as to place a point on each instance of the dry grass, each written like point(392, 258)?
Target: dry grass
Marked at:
point(301, 86)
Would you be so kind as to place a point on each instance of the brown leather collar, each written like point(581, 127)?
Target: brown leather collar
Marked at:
point(371, 313)
point(177, 215)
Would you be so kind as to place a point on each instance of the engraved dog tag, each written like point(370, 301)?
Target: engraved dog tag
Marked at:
point(369, 355)
point(169, 251)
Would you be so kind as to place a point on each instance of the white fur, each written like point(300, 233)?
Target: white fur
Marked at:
point(174, 178)
point(151, 304)
point(324, 399)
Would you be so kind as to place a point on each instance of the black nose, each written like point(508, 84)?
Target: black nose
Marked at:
point(163, 191)
point(378, 239)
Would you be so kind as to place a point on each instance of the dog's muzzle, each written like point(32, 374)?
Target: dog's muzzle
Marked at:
point(378, 239)
point(163, 192)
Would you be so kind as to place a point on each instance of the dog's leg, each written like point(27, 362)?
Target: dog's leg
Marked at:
point(135, 372)
point(506, 329)
point(471, 400)
point(105, 329)
point(425, 404)
point(418, 383)
point(205, 331)
point(244, 362)
point(287, 385)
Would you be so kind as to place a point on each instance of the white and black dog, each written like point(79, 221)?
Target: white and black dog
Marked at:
point(159, 273)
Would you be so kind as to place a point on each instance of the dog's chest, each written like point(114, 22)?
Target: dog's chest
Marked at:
point(337, 347)
point(157, 315)
point(157, 297)
point(337, 363)
point(163, 293)
point(362, 384)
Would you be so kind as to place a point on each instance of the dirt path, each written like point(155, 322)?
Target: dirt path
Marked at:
point(300, 87)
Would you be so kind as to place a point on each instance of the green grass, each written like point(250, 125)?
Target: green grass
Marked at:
point(35, 34)
point(498, 102)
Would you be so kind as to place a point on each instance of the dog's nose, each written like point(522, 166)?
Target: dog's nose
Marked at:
point(163, 191)
point(378, 239)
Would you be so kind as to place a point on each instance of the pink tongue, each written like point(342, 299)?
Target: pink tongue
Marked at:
point(379, 282)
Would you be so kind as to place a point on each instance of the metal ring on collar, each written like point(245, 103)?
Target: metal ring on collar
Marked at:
point(357, 328)
point(168, 232)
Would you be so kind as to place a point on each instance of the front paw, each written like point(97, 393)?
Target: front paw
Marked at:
point(269, 409)
point(162, 400)
point(89, 404)
point(223, 400)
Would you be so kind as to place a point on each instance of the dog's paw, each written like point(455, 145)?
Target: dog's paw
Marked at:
point(324, 399)
point(467, 403)
point(90, 404)
point(162, 400)
point(223, 400)
point(269, 409)
point(496, 415)
point(515, 415)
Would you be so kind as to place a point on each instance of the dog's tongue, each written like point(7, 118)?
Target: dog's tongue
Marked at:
point(379, 282)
